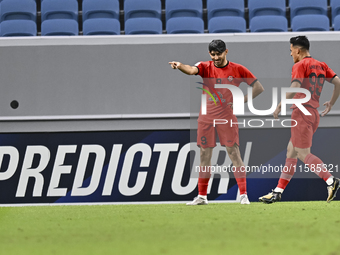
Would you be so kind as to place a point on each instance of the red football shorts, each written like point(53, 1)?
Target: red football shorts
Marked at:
point(227, 134)
point(302, 133)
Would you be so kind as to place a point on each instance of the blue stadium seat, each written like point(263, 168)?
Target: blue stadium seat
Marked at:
point(183, 8)
point(227, 25)
point(101, 26)
point(185, 25)
point(335, 6)
point(303, 7)
point(100, 9)
point(18, 10)
point(266, 7)
point(337, 23)
point(311, 22)
point(59, 27)
point(268, 24)
point(143, 26)
point(59, 9)
point(142, 9)
point(217, 8)
point(18, 28)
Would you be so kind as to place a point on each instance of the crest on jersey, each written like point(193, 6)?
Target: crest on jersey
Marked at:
point(230, 78)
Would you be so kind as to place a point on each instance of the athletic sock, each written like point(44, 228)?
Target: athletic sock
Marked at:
point(330, 180)
point(286, 174)
point(203, 181)
point(203, 186)
point(279, 190)
point(240, 176)
point(317, 166)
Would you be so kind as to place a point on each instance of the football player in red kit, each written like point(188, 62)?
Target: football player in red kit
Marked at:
point(219, 70)
point(310, 74)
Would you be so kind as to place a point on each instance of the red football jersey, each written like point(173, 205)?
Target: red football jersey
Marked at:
point(233, 74)
point(311, 74)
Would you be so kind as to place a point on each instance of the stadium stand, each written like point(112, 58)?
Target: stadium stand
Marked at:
point(18, 28)
point(184, 17)
point(101, 17)
point(305, 7)
point(166, 9)
point(265, 7)
point(268, 23)
point(267, 16)
point(18, 10)
point(101, 26)
point(180, 8)
point(61, 9)
point(230, 24)
point(143, 17)
point(335, 7)
point(310, 22)
point(93, 9)
point(143, 26)
point(59, 27)
point(218, 8)
point(18, 18)
point(337, 23)
point(142, 9)
point(59, 17)
point(185, 25)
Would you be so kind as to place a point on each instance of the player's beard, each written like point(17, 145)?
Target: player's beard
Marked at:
point(218, 62)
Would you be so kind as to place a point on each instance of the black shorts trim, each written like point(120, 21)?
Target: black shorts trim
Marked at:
point(332, 78)
point(253, 83)
point(296, 81)
point(198, 70)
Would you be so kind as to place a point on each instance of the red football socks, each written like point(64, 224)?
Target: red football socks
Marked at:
point(287, 173)
point(204, 177)
point(203, 180)
point(240, 176)
point(317, 166)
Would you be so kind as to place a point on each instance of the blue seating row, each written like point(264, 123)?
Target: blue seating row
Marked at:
point(60, 17)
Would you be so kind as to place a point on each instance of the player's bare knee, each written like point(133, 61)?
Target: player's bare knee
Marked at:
point(233, 154)
point(302, 153)
point(291, 152)
point(302, 156)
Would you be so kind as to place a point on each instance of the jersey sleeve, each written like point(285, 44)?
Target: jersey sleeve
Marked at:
point(248, 77)
point(330, 74)
point(298, 73)
point(201, 66)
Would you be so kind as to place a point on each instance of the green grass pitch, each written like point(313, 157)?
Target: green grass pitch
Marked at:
point(285, 228)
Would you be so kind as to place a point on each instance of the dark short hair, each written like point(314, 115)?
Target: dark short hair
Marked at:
point(301, 41)
point(217, 45)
